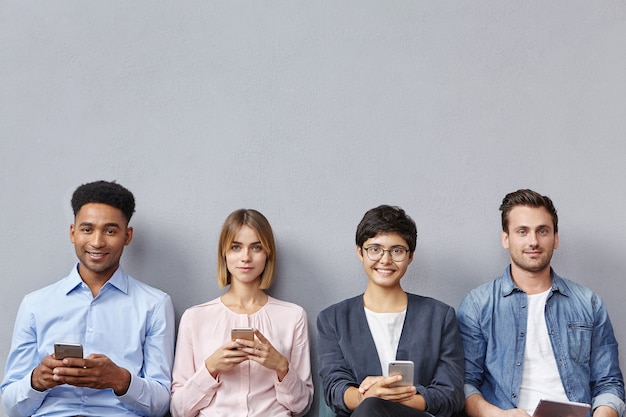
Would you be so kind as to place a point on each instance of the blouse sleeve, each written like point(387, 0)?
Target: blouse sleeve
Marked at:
point(192, 389)
point(295, 391)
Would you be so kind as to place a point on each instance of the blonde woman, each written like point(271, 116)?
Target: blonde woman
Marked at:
point(267, 376)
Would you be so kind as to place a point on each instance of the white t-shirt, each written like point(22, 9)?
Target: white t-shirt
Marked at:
point(540, 375)
point(386, 329)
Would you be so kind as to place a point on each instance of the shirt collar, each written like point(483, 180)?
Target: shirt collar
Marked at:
point(559, 284)
point(119, 280)
point(508, 286)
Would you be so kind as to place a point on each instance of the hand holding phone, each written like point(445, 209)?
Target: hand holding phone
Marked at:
point(404, 368)
point(68, 350)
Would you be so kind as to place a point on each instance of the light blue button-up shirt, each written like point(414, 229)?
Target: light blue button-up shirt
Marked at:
point(129, 321)
point(492, 320)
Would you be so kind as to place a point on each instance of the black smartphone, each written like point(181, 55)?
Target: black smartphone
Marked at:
point(68, 350)
point(404, 368)
point(242, 333)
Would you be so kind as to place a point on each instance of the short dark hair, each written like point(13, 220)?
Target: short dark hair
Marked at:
point(104, 192)
point(387, 219)
point(527, 198)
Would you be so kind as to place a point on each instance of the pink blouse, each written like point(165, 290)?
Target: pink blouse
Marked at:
point(249, 390)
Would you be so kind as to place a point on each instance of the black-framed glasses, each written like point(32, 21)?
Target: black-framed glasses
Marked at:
point(376, 253)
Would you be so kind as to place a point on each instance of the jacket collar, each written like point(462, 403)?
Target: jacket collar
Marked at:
point(508, 286)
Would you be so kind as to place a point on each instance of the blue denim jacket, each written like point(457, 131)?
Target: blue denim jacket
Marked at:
point(492, 320)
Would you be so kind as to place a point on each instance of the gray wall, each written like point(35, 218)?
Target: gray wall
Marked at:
point(313, 112)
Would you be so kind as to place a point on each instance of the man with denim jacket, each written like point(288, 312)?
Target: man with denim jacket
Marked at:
point(531, 334)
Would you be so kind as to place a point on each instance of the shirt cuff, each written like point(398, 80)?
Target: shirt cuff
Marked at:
point(28, 396)
point(470, 390)
point(610, 400)
point(135, 388)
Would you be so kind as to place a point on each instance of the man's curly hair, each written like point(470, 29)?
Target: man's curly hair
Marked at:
point(104, 192)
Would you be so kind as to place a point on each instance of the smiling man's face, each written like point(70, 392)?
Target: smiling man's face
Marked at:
point(99, 234)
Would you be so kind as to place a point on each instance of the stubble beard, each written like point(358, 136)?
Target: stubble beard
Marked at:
point(544, 263)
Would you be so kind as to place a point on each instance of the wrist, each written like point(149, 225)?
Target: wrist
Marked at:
point(33, 384)
point(211, 369)
point(121, 387)
point(283, 369)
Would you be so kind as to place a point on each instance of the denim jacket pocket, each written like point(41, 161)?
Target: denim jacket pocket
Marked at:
point(579, 334)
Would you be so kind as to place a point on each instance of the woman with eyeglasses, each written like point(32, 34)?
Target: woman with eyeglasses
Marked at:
point(362, 338)
point(221, 367)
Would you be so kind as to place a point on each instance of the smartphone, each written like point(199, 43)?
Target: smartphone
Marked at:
point(242, 333)
point(68, 350)
point(404, 368)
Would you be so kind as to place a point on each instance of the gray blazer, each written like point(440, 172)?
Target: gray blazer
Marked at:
point(430, 338)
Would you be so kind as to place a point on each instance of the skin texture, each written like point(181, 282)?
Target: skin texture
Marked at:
point(96, 371)
point(99, 234)
point(246, 261)
point(384, 294)
point(531, 241)
point(384, 274)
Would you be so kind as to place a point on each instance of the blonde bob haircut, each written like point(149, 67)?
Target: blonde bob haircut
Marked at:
point(257, 222)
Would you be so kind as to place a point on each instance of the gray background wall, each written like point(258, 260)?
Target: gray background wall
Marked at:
point(313, 112)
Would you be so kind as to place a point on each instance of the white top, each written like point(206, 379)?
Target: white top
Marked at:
point(540, 376)
point(386, 329)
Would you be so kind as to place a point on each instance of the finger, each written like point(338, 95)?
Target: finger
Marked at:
point(238, 352)
point(230, 346)
point(260, 336)
point(258, 354)
point(74, 362)
point(260, 358)
point(69, 371)
point(49, 359)
point(390, 380)
point(96, 356)
point(367, 384)
point(401, 394)
point(239, 343)
point(236, 360)
point(251, 351)
point(51, 363)
point(404, 391)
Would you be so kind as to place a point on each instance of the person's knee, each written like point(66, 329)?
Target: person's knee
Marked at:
point(369, 406)
point(377, 407)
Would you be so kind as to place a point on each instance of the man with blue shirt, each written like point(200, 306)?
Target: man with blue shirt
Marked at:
point(531, 334)
point(126, 328)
